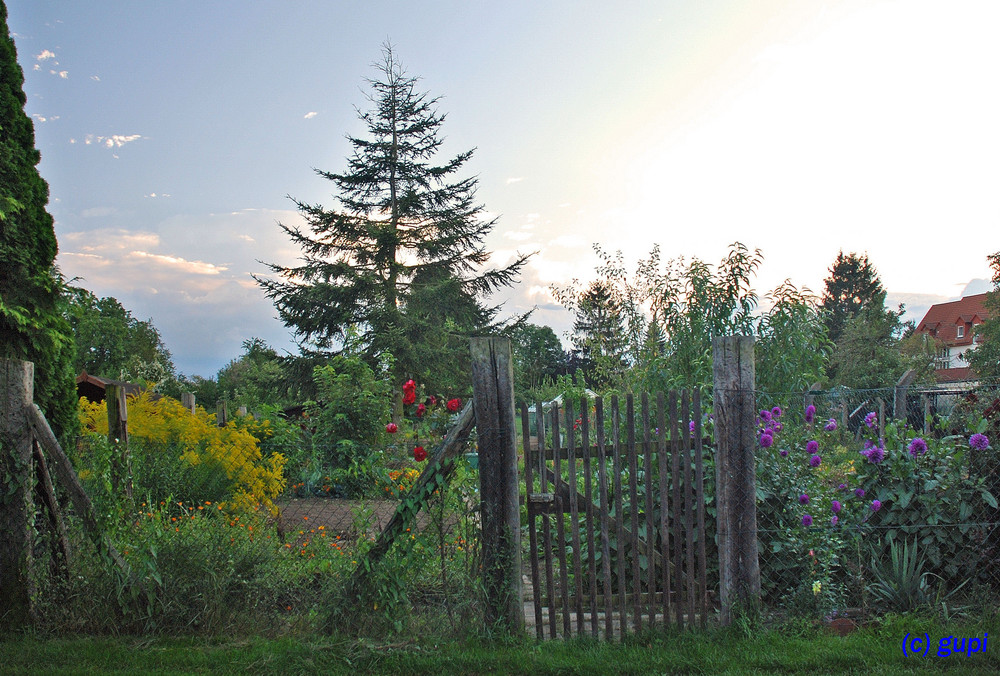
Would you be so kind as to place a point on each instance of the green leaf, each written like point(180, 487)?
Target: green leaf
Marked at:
point(990, 500)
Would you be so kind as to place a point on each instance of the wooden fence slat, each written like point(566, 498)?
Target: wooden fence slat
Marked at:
point(550, 587)
point(675, 515)
point(560, 527)
point(633, 494)
point(647, 452)
point(574, 513)
point(689, 506)
point(536, 591)
point(602, 485)
point(616, 458)
point(700, 497)
point(589, 516)
point(661, 459)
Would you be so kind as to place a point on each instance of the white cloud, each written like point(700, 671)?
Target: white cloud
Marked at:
point(46, 54)
point(113, 141)
point(310, 115)
point(64, 74)
point(36, 67)
point(180, 264)
point(95, 78)
point(515, 179)
point(38, 117)
point(154, 195)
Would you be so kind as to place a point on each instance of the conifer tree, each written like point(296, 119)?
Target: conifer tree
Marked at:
point(406, 231)
point(853, 286)
point(31, 326)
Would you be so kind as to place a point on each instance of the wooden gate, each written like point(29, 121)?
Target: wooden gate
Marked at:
point(616, 515)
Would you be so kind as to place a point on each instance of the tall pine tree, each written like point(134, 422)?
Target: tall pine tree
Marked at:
point(407, 231)
point(31, 326)
point(853, 286)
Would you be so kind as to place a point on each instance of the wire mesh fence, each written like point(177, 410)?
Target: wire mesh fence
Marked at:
point(878, 500)
point(216, 538)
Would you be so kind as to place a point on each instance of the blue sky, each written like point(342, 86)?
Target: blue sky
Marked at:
point(172, 134)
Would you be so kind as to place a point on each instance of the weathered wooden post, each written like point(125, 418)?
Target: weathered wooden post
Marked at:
point(222, 412)
point(16, 493)
point(734, 409)
point(493, 403)
point(121, 471)
point(899, 394)
point(187, 400)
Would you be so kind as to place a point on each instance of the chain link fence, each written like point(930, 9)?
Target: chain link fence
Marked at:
point(878, 500)
point(215, 537)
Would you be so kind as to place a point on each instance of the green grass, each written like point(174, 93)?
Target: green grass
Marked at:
point(791, 649)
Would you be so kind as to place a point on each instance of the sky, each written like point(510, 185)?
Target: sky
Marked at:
point(174, 135)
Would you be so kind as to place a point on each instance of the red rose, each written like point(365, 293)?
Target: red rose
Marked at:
point(454, 404)
point(421, 409)
point(433, 401)
point(391, 428)
point(409, 386)
point(409, 396)
point(419, 454)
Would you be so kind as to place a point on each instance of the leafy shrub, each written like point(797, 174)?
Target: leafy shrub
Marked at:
point(180, 455)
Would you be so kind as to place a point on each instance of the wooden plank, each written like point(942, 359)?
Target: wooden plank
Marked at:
point(633, 495)
point(602, 486)
point(529, 483)
point(661, 458)
point(676, 512)
point(647, 455)
point(47, 493)
point(689, 506)
point(619, 502)
point(560, 527)
point(84, 508)
point(500, 511)
point(550, 587)
point(17, 506)
point(590, 528)
point(574, 513)
point(700, 498)
point(735, 414)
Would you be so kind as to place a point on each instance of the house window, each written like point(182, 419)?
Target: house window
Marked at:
point(961, 332)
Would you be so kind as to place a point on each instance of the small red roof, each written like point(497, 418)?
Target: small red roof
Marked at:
point(957, 375)
point(942, 320)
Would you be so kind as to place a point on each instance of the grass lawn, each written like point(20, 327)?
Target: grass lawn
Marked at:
point(790, 649)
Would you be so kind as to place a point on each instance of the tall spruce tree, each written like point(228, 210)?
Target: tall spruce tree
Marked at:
point(31, 326)
point(406, 230)
point(852, 287)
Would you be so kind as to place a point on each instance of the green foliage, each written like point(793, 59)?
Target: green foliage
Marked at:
point(349, 420)
point(852, 287)
point(934, 499)
point(111, 343)
point(538, 360)
point(254, 379)
point(985, 358)
point(31, 328)
point(792, 346)
point(408, 234)
point(868, 354)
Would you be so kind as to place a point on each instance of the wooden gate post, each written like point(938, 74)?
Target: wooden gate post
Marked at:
point(121, 463)
point(734, 409)
point(493, 403)
point(16, 493)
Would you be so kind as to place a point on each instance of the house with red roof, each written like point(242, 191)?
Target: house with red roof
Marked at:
point(953, 324)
